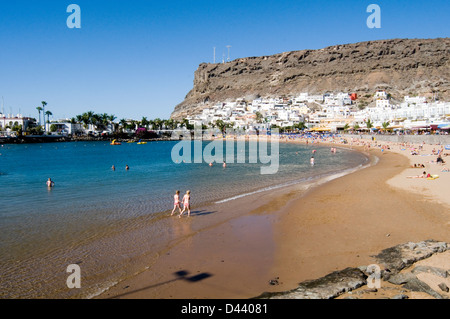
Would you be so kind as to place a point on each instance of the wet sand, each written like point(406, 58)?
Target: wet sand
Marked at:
point(291, 235)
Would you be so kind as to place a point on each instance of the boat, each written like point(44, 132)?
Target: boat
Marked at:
point(115, 143)
point(140, 142)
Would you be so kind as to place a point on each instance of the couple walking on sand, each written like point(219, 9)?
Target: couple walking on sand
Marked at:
point(186, 204)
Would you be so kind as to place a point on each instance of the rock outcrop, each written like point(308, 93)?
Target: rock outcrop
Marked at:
point(400, 275)
point(401, 66)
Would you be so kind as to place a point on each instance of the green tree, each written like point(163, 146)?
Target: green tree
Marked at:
point(221, 125)
point(145, 122)
point(123, 124)
point(53, 128)
point(44, 104)
point(369, 124)
point(185, 123)
point(259, 117)
point(346, 127)
point(158, 123)
point(39, 111)
point(48, 113)
point(385, 125)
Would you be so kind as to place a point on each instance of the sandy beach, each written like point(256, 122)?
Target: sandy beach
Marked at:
point(290, 235)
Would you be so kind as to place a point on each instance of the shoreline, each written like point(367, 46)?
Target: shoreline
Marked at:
point(291, 238)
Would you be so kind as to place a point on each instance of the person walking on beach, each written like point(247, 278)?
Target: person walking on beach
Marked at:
point(186, 204)
point(176, 202)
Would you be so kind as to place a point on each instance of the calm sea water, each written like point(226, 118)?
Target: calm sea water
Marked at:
point(42, 231)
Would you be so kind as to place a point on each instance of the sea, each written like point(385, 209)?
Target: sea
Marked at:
point(94, 217)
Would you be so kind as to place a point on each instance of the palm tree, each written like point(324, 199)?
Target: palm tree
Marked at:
point(123, 123)
point(385, 125)
point(158, 123)
point(111, 119)
point(185, 123)
point(48, 113)
point(96, 120)
point(43, 112)
point(145, 122)
point(259, 117)
point(39, 111)
point(369, 124)
point(346, 127)
point(169, 124)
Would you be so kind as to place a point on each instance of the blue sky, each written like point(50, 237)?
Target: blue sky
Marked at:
point(137, 58)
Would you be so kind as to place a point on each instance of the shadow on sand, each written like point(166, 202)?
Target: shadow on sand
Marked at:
point(201, 212)
point(179, 275)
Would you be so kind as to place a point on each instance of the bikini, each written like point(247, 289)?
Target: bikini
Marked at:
point(176, 200)
point(186, 201)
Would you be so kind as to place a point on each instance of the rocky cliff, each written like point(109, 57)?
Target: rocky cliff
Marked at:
point(401, 66)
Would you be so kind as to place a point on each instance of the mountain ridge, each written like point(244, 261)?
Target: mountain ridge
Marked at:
point(400, 66)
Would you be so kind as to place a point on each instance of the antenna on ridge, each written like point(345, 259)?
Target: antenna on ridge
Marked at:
point(228, 46)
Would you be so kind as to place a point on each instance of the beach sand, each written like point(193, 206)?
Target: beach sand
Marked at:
point(290, 235)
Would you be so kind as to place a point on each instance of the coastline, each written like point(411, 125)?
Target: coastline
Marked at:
point(291, 238)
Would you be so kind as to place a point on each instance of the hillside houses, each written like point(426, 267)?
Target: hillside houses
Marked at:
point(329, 111)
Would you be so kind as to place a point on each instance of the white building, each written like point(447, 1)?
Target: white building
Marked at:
point(11, 120)
point(415, 99)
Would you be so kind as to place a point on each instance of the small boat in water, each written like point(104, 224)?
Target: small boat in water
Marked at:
point(114, 142)
point(140, 142)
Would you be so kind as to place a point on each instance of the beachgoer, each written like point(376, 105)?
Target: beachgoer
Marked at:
point(224, 164)
point(113, 168)
point(424, 175)
point(127, 167)
point(186, 204)
point(445, 169)
point(176, 202)
point(211, 164)
point(312, 160)
point(50, 183)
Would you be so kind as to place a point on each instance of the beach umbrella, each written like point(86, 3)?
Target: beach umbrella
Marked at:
point(444, 126)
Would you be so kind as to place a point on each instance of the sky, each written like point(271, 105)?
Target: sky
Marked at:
point(137, 58)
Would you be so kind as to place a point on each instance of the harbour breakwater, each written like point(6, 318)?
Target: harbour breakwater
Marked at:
point(58, 138)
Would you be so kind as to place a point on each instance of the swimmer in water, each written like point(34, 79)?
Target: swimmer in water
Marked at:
point(312, 160)
point(50, 183)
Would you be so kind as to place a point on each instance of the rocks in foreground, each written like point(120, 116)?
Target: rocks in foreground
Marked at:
point(402, 272)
